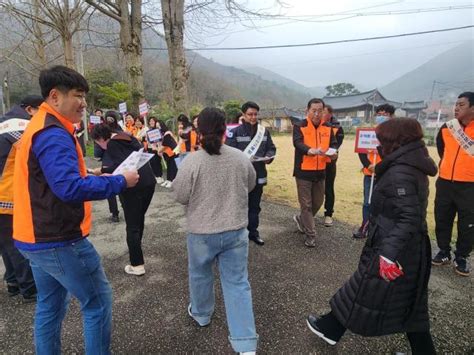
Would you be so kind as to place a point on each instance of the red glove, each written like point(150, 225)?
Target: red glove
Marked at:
point(388, 270)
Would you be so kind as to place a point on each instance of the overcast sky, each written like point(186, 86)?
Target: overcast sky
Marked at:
point(367, 64)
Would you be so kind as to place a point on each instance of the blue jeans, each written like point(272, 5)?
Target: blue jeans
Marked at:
point(230, 251)
point(60, 272)
point(366, 205)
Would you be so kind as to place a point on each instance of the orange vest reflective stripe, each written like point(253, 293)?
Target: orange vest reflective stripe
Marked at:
point(313, 137)
point(456, 164)
point(374, 159)
point(38, 215)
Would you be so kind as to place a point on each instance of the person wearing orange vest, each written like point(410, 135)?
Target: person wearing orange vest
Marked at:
point(369, 161)
point(52, 215)
point(329, 195)
point(455, 186)
point(167, 150)
point(312, 140)
point(187, 135)
point(18, 275)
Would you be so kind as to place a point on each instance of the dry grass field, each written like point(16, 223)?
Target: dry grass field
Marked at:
point(281, 186)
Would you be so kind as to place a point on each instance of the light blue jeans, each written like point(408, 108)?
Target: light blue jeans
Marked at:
point(74, 269)
point(230, 251)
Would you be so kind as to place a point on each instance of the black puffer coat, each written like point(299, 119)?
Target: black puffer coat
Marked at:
point(366, 304)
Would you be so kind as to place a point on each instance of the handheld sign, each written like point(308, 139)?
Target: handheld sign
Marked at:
point(122, 107)
point(143, 108)
point(94, 119)
point(154, 135)
point(366, 140)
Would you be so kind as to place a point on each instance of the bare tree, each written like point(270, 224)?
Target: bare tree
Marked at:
point(201, 13)
point(128, 13)
point(173, 23)
point(64, 17)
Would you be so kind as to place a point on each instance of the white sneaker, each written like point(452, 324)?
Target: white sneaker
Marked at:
point(160, 180)
point(164, 183)
point(138, 270)
point(248, 353)
point(328, 221)
point(168, 184)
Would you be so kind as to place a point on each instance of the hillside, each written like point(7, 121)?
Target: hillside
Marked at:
point(452, 70)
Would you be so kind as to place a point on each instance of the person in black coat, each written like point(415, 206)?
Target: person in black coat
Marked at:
point(240, 137)
point(388, 292)
point(136, 200)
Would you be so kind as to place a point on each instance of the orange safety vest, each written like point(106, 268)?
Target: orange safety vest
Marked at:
point(192, 141)
point(319, 138)
point(456, 164)
point(6, 182)
point(167, 150)
point(374, 159)
point(38, 214)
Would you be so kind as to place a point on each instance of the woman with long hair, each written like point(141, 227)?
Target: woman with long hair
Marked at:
point(152, 147)
point(187, 136)
point(136, 200)
point(168, 145)
point(389, 291)
point(217, 229)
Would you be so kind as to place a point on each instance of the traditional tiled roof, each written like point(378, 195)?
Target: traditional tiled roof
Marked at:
point(372, 97)
point(282, 112)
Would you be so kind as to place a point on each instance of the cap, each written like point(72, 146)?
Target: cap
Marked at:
point(31, 100)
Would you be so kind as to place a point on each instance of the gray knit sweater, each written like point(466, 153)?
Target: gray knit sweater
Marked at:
point(214, 189)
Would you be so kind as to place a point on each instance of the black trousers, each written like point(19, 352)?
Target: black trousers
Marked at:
point(17, 268)
point(171, 168)
point(135, 203)
point(329, 196)
point(420, 342)
point(255, 196)
point(155, 163)
point(82, 144)
point(455, 198)
point(113, 207)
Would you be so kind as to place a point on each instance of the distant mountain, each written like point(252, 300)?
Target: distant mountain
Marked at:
point(269, 91)
point(315, 91)
point(271, 76)
point(452, 71)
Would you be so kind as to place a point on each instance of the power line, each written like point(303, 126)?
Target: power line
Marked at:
point(331, 42)
point(302, 44)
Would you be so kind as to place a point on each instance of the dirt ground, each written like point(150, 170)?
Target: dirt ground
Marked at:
point(288, 282)
point(348, 185)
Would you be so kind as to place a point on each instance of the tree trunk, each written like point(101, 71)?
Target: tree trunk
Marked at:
point(68, 50)
point(131, 44)
point(39, 43)
point(173, 23)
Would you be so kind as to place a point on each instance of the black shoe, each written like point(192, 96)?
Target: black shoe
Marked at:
point(461, 266)
point(30, 298)
point(442, 258)
point(13, 290)
point(257, 240)
point(313, 326)
point(360, 234)
point(114, 218)
point(30, 295)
